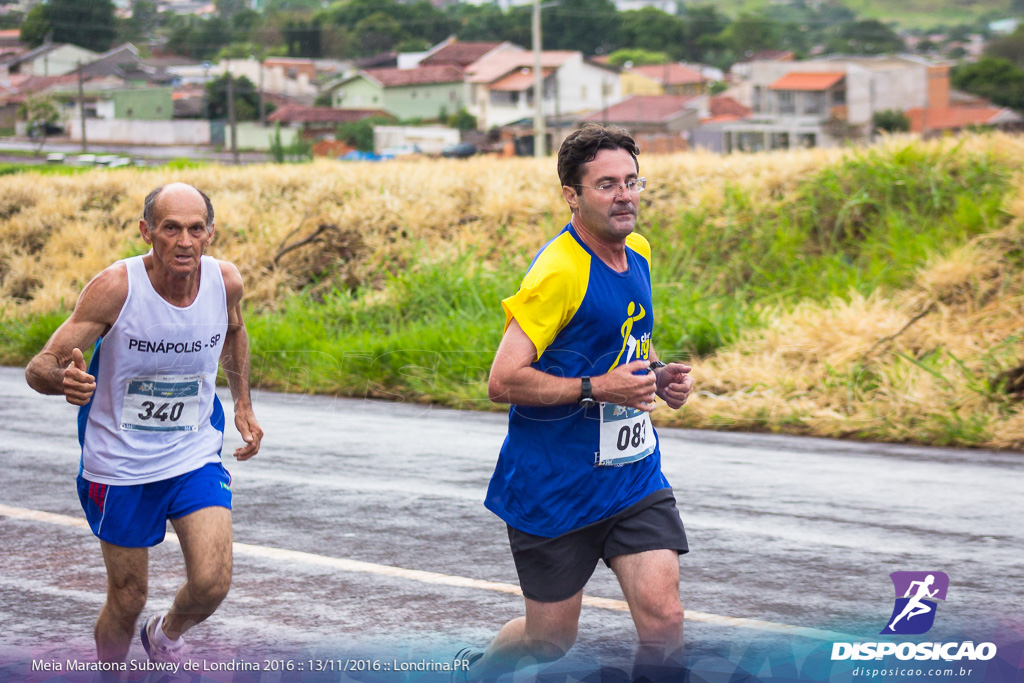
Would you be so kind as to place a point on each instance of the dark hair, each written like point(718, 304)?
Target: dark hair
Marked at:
point(583, 145)
point(149, 205)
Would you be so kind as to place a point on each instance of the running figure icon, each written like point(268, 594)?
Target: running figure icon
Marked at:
point(917, 595)
point(916, 606)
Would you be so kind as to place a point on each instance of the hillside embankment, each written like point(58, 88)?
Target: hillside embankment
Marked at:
point(865, 293)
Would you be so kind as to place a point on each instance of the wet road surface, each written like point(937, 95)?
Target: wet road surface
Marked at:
point(360, 528)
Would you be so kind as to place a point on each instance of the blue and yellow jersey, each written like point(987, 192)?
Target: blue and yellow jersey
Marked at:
point(584, 319)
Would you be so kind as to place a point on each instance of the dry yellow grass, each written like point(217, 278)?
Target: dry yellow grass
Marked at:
point(911, 365)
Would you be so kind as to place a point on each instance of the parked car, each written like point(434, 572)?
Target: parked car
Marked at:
point(460, 150)
point(55, 158)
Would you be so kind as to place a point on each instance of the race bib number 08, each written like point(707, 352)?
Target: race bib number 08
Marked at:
point(166, 403)
point(626, 435)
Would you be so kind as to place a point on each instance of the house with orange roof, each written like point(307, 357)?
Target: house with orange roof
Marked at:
point(830, 101)
point(501, 86)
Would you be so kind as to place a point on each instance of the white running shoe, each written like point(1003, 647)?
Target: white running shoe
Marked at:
point(160, 653)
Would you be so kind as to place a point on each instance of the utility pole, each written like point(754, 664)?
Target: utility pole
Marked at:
point(263, 102)
point(539, 132)
point(231, 116)
point(81, 106)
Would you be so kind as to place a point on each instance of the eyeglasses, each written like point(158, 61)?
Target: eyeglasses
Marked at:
point(635, 185)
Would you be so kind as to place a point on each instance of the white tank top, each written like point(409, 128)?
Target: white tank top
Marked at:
point(155, 413)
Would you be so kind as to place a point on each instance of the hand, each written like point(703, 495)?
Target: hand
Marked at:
point(674, 384)
point(79, 385)
point(245, 423)
point(622, 387)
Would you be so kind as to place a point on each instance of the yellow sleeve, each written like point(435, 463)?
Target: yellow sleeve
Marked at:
point(640, 245)
point(551, 292)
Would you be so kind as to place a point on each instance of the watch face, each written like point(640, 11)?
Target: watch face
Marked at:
point(587, 402)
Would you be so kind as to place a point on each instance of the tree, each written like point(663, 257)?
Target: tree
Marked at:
point(87, 23)
point(1009, 47)
point(247, 99)
point(637, 57)
point(590, 26)
point(890, 121)
point(40, 113)
point(272, 6)
point(139, 27)
point(652, 30)
point(868, 37)
point(36, 27)
point(359, 134)
point(462, 120)
point(489, 22)
point(704, 25)
point(378, 32)
point(750, 33)
point(996, 79)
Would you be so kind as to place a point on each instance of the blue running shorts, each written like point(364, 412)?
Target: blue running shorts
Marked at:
point(136, 516)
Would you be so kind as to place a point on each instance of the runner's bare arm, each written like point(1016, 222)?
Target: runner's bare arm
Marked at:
point(674, 382)
point(234, 358)
point(513, 380)
point(60, 367)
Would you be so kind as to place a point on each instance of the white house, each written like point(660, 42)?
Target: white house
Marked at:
point(500, 86)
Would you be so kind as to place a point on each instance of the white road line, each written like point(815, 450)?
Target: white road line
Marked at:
point(265, 552)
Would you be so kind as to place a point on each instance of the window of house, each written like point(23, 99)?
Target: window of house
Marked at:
point(787, 102)
point(839, 97)
point(814, 103)
point(757, 99)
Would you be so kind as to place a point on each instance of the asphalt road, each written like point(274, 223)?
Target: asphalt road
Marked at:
point(361, 532)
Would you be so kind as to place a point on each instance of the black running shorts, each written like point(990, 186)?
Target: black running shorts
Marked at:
point(555, 569)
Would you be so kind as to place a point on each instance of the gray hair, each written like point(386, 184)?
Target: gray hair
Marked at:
point(149, 205)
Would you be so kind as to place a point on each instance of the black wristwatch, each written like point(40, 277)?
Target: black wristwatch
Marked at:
point(587, 394)
point(656, 365)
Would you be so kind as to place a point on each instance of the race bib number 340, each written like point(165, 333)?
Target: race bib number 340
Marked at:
point(166, 403)
point(626, 435)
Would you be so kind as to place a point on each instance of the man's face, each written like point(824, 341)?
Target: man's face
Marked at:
point(608, 215)
point(178, 232)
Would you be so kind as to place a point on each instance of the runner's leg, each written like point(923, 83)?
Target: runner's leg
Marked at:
point(127, 581)
point(546, 633)
point(650, 584)
point(205, 537)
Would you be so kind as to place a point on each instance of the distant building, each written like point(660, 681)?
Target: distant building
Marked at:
point(501, 86)
point(319, 121)
point(658, 123)
point(826, 102)
point(663, 79)
point(424, 92)
point(49, 59)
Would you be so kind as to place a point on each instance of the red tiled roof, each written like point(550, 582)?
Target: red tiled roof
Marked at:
point(424, 75)
point(644, 109)
point(490, 69)
point(518, 81)
point(941, 118)
point(670, 74)
point(803, 80)
point(459, 54)
point(727, 106)
point(294, 113)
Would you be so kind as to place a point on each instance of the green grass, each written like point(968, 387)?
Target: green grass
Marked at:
point(11, 168)
point(864, 224)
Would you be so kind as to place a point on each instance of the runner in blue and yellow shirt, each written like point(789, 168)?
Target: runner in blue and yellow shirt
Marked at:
point(579, 475)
